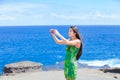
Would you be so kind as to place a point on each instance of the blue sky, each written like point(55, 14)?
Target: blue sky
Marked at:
point(59, 12)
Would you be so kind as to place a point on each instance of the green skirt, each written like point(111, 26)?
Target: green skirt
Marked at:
point(70, 70)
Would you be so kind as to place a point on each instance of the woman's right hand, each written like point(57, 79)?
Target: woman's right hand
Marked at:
point(52, 31)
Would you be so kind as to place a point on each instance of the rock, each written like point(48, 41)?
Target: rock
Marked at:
point(21, 67)
point(115, 77)
point(112, 70)
point(106, 66)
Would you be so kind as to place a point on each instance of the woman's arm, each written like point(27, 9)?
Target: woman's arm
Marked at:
point(66, 41)
point(57, 40)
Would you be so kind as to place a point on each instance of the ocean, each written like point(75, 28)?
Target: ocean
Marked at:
point(101, 45)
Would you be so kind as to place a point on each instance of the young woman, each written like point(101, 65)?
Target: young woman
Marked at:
point(73, 50)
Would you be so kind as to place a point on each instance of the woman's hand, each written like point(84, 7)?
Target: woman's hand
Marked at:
point(55, 33)
point(52, 31)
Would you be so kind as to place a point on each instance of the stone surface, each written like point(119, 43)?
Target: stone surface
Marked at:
point(21, 67)
point(111, 70)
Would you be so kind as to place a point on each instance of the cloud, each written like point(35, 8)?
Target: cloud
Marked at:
point(17, 10)
point(19, 7)
point(91, 15)
point(67, 16)
point(6, 17)
point(106, 15)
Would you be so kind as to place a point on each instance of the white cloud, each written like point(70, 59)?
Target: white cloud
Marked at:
point(5, 17)
point(106, 16)
point(16, 10)
point(21, 6)
point(96, 15)
point(67, 16)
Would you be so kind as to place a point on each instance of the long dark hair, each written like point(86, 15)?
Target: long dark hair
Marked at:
point(78, 36)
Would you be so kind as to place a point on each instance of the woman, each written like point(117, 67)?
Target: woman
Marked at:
point(73, 50)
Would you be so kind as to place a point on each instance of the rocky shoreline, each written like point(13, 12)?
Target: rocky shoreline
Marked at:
point(29, 66)
point(111, 70)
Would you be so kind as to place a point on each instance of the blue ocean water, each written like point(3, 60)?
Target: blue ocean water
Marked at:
point(35, 43)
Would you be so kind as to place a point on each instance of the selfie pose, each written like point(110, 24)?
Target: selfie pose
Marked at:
point(73, 50)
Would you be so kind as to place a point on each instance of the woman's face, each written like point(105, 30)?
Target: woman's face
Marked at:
point(71, 33)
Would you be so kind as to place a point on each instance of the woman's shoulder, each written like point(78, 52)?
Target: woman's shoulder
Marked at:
point(77, 40)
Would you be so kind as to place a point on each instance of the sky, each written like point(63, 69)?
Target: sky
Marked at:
point(59, 12)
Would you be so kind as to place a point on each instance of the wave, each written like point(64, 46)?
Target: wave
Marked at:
point(113, 63)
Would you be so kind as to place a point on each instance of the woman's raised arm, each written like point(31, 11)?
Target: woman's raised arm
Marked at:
point(64, 40)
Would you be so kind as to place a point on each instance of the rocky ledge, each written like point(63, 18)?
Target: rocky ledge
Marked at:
point(21, 67)
point(111, 70)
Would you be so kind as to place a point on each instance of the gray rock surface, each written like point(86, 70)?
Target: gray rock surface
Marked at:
point(111, 70)
point(21, 67)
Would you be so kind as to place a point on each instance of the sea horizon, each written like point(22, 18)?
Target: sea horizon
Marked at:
point(105, 25)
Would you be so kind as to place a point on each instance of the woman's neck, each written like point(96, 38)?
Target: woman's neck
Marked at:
point(73, 38)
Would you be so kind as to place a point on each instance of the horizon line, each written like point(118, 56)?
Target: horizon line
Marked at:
point(61, 25)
